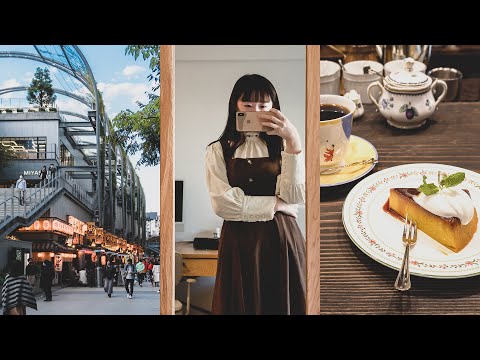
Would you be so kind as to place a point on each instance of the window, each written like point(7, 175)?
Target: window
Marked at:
point(66, 157)
point(26, 147)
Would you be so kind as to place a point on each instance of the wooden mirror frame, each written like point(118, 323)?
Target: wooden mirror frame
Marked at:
point(167, 178)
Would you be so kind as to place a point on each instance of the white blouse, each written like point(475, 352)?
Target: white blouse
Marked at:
point(231, 203)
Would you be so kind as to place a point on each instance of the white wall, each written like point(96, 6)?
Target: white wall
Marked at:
point(204, 79)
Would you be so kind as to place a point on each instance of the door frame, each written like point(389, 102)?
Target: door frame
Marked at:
point(167, 178)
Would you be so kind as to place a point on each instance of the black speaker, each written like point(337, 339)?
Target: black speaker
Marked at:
point(205, 244)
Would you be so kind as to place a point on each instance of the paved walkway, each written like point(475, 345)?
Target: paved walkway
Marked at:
point(94, 301)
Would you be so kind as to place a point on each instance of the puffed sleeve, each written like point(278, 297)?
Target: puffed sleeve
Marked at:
point(291, 181)
point(231, 203)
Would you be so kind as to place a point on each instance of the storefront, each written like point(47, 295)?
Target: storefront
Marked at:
point(75, 244)
point(13, 248)
point(62, 258)
point(50, 238)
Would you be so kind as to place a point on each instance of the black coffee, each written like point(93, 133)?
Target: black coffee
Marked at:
point(332, 111)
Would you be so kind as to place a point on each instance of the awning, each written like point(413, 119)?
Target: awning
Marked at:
point(52, 246)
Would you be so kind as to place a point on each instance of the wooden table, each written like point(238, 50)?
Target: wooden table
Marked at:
point(353, 283)
point(197, 262)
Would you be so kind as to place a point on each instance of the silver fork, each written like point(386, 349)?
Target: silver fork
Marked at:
point(409, 238)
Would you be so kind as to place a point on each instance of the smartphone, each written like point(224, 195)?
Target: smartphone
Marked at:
point(249, 121)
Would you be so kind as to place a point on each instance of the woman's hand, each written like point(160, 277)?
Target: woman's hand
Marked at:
point(289, 209)
point(282, 127)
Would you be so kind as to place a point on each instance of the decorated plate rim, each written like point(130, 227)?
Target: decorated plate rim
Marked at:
point(350, 199)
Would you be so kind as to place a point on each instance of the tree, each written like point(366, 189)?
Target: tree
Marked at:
point(6, 155)
point(41, 91)
point(140, 130)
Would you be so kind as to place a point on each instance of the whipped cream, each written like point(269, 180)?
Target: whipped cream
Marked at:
point(449, 202)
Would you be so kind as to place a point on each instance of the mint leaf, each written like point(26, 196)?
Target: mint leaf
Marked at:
point(453, 180)
point(428, 189)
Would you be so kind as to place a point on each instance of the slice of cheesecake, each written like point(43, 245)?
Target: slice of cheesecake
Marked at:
point(448, 231)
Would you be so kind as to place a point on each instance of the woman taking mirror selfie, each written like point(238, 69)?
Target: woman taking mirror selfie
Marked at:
point(256, 179)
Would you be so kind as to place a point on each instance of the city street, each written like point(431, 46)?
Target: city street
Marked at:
point(94, 301)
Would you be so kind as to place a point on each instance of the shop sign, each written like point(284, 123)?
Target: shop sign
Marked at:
point(99, 237)
point(58, 262)
point(62, 227)
point(53, 225)
point(90, 234)
point(31, 172)
point(78, 225)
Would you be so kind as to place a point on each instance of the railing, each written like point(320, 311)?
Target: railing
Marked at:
point(36, 155)
point(33, 199)
point(23, 104)
point(39, 195)
point(15, 110)
point(30, 154)
point(78, 192)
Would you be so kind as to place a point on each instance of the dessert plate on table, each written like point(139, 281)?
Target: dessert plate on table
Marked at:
point(359, 149)
point(379, 235)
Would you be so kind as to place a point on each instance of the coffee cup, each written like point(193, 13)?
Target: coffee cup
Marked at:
point(329, 77)
point(336, 119)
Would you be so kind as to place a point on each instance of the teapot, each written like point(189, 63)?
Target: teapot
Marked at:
point(406, 97)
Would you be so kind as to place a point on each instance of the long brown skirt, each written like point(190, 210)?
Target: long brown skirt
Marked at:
point(261, 268)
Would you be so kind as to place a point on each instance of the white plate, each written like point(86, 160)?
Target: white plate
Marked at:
point(379, 235)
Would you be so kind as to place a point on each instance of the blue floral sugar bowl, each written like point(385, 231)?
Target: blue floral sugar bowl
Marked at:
point(407, 97)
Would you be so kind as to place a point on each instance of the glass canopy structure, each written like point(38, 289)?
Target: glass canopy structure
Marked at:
point(116, 185)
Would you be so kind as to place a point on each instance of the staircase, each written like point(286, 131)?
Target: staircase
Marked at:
point(37, 201)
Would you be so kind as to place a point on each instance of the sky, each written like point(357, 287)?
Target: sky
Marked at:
point(121, 79)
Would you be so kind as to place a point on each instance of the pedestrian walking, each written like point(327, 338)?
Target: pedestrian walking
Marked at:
point(156, 274)
point(129, 278)
point(21, 185)
point(43, 173)
point(17, 293)
point(51, 173)
point(140, 267)
point(150, 272)
point(108, 276)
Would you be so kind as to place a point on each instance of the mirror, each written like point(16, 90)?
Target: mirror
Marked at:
point(205, 77)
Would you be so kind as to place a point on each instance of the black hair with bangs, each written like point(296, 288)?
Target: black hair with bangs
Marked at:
point(255, 88)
